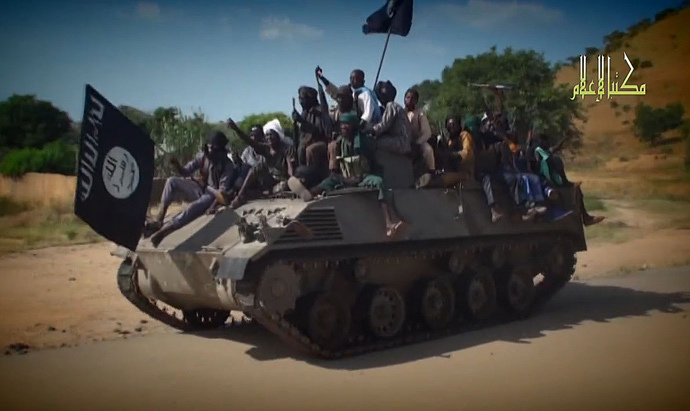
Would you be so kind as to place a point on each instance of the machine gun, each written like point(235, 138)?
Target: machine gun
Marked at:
point(295, 126)
point(492, 86)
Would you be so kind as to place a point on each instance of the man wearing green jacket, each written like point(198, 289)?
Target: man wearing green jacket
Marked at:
point(357, 167)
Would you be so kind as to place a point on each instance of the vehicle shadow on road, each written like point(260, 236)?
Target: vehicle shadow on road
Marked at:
point(575, 304)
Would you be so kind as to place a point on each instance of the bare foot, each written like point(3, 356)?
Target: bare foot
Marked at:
point(301, 229)
point(239, 201)
point(396, 229)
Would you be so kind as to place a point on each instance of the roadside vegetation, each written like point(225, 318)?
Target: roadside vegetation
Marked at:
point(26, 226)
point(645, 161)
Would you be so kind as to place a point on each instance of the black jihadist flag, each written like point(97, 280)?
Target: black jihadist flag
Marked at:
point(115, 172)
point(395, 15)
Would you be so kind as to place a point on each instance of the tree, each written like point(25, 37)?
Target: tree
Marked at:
point(573, 60)
point(28, 122)
point(141, 119)
point(646, 125)
point(428, 90)
point(263, 118)
point(651, 122)
point(54, 157)
point(613, 41)
point(534, 98)
point(673, 116)
point(591, 50)
point(182, 136)
point(665, 13)
point(179, 136)
point(639, 27)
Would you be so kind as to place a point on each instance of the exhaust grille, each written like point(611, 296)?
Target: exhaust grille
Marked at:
point(321, 221)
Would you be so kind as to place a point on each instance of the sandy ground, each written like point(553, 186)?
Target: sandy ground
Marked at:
point(66, 296)
point(618, 342)
point(663, 248)
point(614, 343)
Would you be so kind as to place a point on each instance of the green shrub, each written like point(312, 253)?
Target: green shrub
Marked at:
point(614, 104)
point(623, 159)
point(665, 13)
point(639, 27)
point(626, 108)
point(646, 64)
point(651, 122)
point(55, 157)
point(613, 41)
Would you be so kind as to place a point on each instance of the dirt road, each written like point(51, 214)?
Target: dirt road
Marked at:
point(614, 343)
point(67, 296)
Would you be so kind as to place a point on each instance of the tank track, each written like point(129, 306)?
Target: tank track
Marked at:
point(191, 321)
point(415, 333)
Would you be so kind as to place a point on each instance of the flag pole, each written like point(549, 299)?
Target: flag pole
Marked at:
point(385, 47)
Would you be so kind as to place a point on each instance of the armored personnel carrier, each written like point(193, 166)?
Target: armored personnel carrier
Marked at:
point(323, 276)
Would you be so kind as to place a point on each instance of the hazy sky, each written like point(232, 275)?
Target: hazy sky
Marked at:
point(233, 58)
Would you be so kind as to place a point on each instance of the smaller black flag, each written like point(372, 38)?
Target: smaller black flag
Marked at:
point(115, 172)
point(395, 15)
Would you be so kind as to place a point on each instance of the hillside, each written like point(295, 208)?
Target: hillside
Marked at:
point(623, 164)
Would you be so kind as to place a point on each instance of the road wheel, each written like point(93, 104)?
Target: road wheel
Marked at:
point(477, 293)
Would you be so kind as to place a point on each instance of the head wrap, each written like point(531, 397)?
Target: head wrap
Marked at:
point(275, 126)
point(471, 123)
point(218, 155)
point(349, 118)
point(385, 90)
point(344, 90)
point(219, 139)
point(307, 92)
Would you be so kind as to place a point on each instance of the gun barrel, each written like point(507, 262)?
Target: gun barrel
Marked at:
point(497, 86)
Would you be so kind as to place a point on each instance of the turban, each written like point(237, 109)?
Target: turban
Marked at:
point(471, 123)
point(219, 139)
point(308, 92)
point(275, 126)
point(344, 90)
point(349, 118)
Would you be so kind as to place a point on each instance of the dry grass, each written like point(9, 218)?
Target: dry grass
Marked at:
point(9, 207)
point(26, 226)
point(593, 203)
point(615, 232)
point(42, 226)
point(671, 213)
point(607, 140)
point(666, 182)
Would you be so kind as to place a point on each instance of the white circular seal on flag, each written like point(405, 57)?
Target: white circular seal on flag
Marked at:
point(120, 173)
